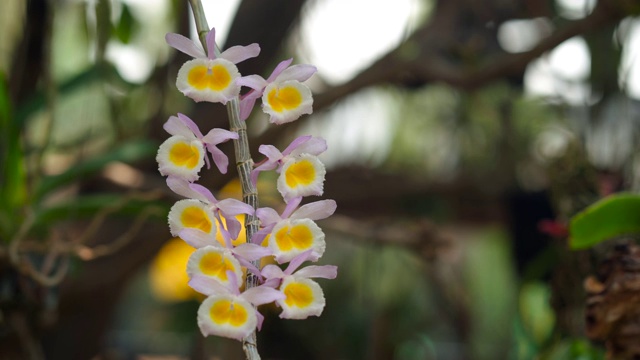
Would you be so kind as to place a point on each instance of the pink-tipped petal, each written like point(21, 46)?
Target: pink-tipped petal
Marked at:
point(176, 127)
point(233, 226)
point(217, 136)
point(267, 216)
point(279, 69)
point(238, 53)
point(203, 193)
point(274, 283)
point(313, 271)
point(314, 146)
point(292, 204)
point(207, 286)
point(219, 158)
point(247, 104)
point(211, 44)
point(197, 238)
point(234, 282)
point(316, 210)
point(297, 261)
point(300, 73)
point(225, 234)
point(272, 272)
point(252, 268)
point(234, 207)
point(182, 187)
point(251, 252)
point(260, 295)
point(184, 45)
point(190, 124)
point(296, 144)
point(271, 152)
point(259, 236)
point(256, 82)
point(260, 320)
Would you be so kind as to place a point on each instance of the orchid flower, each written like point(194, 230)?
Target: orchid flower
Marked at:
point(181, 157)
point(227, 312)
point(194, 215)
point(209, 77)
point(183, 152)
point(301, 172)
point(284, 97)
point(213, 262)
point(294, 232)
point(191, 224)
point(303, 296)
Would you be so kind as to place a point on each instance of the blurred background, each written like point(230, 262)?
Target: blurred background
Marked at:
point(462, 137)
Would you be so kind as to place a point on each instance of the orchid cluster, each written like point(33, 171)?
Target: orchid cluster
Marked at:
point(216, 269)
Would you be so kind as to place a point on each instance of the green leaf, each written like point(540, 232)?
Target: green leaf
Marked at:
point(608, 218)
point(126, 26)
point(128, 152)
point(13, 192)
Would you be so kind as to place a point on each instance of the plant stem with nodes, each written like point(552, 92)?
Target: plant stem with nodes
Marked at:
point(244, 164)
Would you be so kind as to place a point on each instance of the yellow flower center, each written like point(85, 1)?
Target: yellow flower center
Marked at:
point(226, 312)
point(298, 294)
point(215, 264)
point(195, 217)
point(184, 154)
point(285, 98)
point(297, 236)
point(216, 78)
point(300, 173)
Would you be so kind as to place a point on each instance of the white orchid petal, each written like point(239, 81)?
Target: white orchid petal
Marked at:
point(197, 238)
point(185, 45)
point(313, 271)
point(315, 146)
point(176, 127)
point(271, 152)
point(251, 252)
point(282, 66)
point(300, 72)
point(217, 136)
point(219, 158)
point(316, 210)
point(195, 130)
point(235, 207)
point(211, 44)
point(207, 286)
point(256, 82)
point(239, 53)
point(272, 272)
point(260, 295)
point(268, 216)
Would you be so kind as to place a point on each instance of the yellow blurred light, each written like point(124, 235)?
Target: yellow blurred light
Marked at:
point(168, 276)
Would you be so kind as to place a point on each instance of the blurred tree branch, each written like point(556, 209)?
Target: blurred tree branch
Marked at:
point(426, 57)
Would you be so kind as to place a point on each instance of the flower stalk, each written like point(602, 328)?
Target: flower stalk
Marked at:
point(210, 225)
point(244, 164)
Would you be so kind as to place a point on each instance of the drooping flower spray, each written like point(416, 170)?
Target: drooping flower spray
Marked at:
point(216, 269)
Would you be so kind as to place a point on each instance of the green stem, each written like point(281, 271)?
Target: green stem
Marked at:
point(244, 164)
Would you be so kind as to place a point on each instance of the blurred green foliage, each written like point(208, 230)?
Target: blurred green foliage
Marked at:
point(612, 217)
